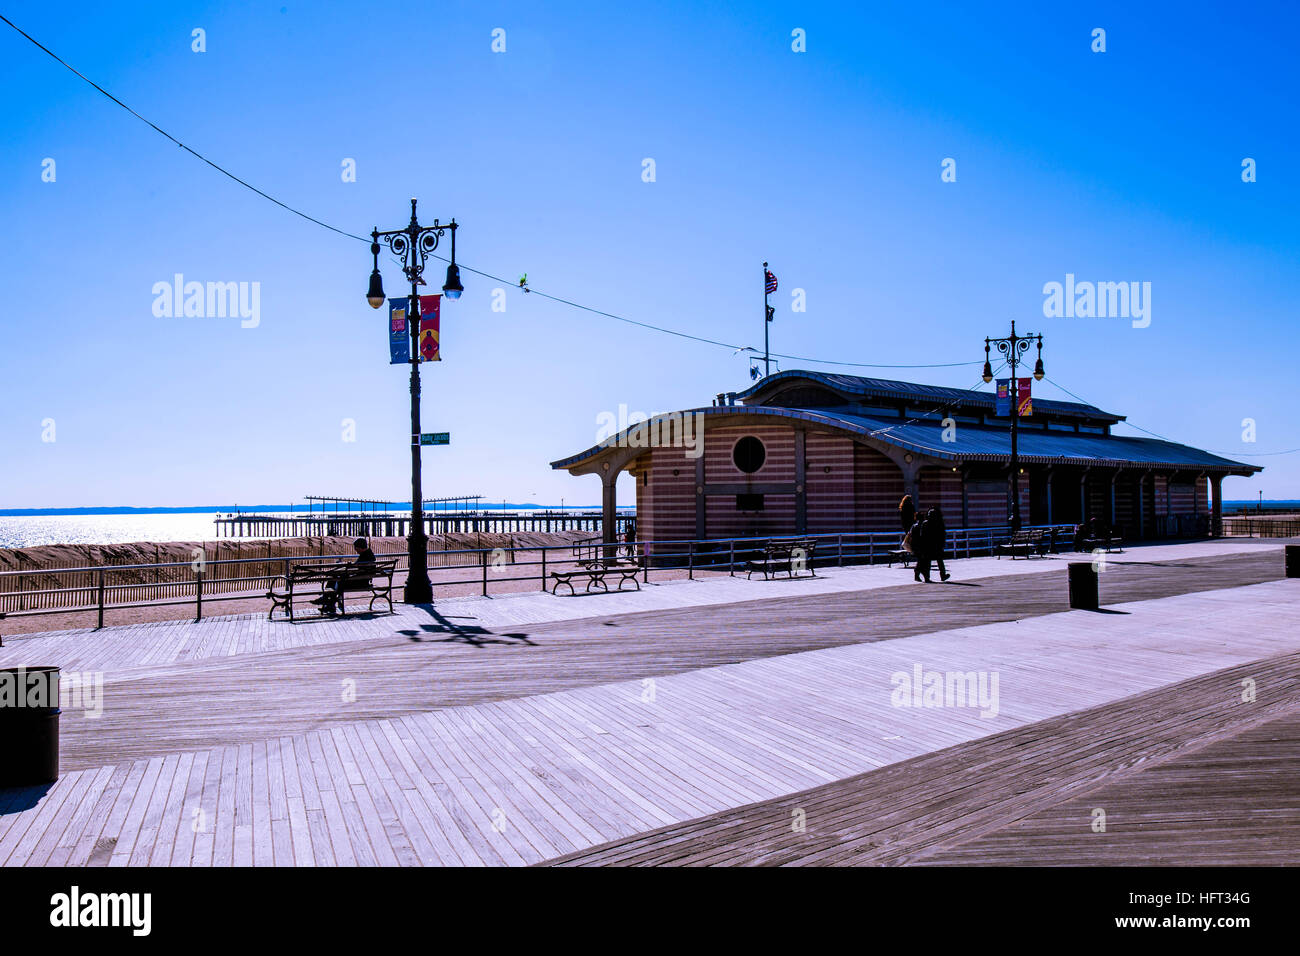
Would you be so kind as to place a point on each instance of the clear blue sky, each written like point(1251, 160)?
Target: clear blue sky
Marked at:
point(1122, 166)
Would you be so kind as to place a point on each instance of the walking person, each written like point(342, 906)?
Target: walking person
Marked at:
point(907, 518)
point(936, 539)
point(920, 550)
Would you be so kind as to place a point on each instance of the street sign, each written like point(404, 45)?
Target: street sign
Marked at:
point(435, 438)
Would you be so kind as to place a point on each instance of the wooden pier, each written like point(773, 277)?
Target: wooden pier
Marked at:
point(393, 525)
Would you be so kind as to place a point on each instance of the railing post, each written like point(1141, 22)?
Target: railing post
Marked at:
point(101, 598)
point(733, 557)
point(543, 567)
point(839, 558)
point(483, 558)
point(198, 596)
point(690, 562)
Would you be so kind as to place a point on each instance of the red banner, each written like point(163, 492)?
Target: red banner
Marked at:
point(1025, 406)
point(429, 328)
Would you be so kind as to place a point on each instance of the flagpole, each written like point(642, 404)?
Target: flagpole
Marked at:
point(767, 319)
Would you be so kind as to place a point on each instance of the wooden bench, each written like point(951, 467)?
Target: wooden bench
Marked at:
point(1027, 543)
point(308, 581)
point(591, 551)
point(901, 554)
point(791, 556)
point(1104, 544)
point(595, 571)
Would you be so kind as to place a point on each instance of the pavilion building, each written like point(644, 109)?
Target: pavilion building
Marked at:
point(807, 452)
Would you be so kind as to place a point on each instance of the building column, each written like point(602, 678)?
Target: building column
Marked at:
point(1142, 505)
point(912, 481)
point(965, 500)
point(1047, 491)
point(800, 481)
point(1216, 506)
point(1114, 479)
point(608, 503)
point(701, 506)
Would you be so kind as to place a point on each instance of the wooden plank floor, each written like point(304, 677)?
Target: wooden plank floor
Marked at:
point(521, 780)
point(413, 664)
point(1187, 775)
point(1235, 802)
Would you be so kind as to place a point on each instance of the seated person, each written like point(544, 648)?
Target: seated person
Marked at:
point(353, 580)
point(1080, 537)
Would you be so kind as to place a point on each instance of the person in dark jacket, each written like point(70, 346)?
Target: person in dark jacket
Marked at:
point(357, 577)
point(936, 539)
point(921, 570)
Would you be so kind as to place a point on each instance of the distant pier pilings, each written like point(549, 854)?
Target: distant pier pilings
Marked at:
point(372, 525)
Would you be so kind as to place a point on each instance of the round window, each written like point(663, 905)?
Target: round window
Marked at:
point(749, 454)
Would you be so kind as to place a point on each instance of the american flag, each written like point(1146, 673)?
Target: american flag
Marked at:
point(771, 281)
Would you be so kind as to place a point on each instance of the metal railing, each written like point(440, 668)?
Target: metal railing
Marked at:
point(1261, 526)
point(99, 588)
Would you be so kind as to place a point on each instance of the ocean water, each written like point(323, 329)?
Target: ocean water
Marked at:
point(30, 530)
point(26, 531)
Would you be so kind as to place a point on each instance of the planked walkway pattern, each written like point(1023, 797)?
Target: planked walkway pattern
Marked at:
point(433, 660)
point(1234, 802)
point(1187, 774)
point(528, 779)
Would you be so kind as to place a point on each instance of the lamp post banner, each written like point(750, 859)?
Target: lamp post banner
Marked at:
point(1025, 404)
point(430, 346)
point(399, 342)
point(1003, 407)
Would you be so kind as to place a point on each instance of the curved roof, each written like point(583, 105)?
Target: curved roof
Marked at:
point(1037, 446)
point(858, 386)
point(971, 442)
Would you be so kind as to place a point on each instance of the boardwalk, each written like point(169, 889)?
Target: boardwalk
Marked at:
point(423, 661)
point(1187, 774)
point(239, 741)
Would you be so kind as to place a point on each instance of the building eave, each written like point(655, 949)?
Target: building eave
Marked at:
point(619, 444)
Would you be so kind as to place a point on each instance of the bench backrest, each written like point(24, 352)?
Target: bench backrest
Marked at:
point(790, 545)
point(321, 572)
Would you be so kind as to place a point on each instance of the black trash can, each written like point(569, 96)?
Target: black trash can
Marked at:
point(1083, 586)
point(29, 726)
point(1293, 560)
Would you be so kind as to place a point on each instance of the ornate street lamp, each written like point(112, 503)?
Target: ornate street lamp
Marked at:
point(412, 247)
point(1013, 347)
